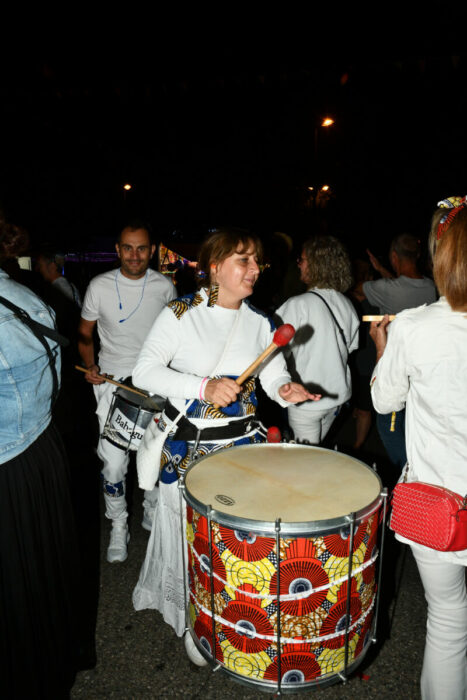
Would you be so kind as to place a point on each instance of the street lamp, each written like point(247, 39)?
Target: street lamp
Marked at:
point(126, 188)
point(325, 123)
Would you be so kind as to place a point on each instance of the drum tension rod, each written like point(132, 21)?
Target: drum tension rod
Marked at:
point(278, 603)
point(384, 494)
point(352, 517)
point(211, 581)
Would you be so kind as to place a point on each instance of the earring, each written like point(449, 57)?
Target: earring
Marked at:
point(213, 294)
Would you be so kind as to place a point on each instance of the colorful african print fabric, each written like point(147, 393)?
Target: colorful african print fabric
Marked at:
point(453, 205)
point(183, 304)
point(313, 599)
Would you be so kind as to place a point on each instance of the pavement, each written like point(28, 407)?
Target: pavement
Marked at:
point(140, 657)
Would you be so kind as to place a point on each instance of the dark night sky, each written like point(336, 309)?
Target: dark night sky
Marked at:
point(231, 140)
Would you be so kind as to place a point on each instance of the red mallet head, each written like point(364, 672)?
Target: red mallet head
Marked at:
point(274, 434)
point(283, 335)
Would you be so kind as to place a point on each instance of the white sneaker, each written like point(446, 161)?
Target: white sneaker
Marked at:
point(119, 538)
point(192, 651)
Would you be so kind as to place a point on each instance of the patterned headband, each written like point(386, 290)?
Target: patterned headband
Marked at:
point(454, 205)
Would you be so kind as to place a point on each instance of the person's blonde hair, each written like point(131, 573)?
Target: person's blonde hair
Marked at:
point(329, 265)
point(450, 263)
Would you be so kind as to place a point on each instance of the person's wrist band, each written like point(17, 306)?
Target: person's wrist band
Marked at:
point(202, 388)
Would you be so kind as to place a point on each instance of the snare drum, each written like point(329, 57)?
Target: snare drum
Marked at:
point(281, 562)
point(128, 417)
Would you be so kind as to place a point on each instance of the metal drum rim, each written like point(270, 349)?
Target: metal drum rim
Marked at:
point(262, 527)
point(119, 393)
point(286, 688)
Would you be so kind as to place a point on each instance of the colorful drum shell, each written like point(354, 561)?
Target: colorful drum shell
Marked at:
point(313, 555)
point(129, 416)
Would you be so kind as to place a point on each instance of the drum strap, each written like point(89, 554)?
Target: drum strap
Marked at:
point(310, 291)
point(187, 431)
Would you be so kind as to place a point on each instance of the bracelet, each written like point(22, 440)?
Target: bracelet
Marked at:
point(202, 388)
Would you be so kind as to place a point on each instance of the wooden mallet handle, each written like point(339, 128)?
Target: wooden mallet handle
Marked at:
point(282, 336)
point(376, 317)
point(112, 381)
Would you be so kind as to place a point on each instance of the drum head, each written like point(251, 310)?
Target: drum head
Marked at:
point(296, 483)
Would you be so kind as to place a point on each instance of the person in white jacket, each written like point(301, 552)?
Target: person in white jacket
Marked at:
point(422, 364)
point(327, 333)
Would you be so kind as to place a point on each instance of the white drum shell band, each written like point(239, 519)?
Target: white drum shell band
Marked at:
point(289, 640)
point(292, 596)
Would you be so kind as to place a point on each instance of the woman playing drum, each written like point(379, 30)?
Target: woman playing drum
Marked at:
point(422, 363)
point(196, 348)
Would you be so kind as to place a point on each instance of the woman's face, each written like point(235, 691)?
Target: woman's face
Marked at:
point(236, 276)
point(304, 268)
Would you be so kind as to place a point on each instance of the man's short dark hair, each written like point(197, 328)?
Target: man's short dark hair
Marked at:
point(135, 225)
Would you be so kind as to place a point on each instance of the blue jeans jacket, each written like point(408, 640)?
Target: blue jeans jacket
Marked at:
point(25, 375)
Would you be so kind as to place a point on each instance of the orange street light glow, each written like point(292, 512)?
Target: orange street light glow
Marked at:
point(327, 122)
point(325, 188)
point(127, 187)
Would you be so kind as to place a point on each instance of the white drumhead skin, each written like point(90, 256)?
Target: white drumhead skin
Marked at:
point(295, 483)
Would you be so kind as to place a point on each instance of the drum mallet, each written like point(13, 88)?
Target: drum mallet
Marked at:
point(112, 381)
point(282, 336)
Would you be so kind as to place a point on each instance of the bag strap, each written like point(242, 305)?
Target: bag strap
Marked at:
point(23, 316)
point(40, 331)
point(332, 314)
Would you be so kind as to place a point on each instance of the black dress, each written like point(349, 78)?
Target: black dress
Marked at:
point(39, 574)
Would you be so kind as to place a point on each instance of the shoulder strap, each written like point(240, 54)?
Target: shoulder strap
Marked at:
point(23, 316)
point(39, 330)
point(332, 314)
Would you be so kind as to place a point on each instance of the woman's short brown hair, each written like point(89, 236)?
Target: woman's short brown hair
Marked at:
point(450, 263)
point(223, 243)
point(328, 263)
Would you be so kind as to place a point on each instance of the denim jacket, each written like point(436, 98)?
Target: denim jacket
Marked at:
point(25, 375)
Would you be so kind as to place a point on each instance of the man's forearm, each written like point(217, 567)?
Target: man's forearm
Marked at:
point(86, 351)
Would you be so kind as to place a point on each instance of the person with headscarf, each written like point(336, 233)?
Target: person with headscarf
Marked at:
point(422, 366)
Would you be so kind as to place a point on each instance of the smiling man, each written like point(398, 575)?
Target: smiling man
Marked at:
point(124, 304)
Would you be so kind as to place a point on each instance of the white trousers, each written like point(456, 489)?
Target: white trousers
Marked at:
point(311, 425)
point(444, 672)
point(115, 463)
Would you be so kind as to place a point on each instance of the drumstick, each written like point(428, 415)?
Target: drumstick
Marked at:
point(112, 381)
point(282, 336)
point(377, 318)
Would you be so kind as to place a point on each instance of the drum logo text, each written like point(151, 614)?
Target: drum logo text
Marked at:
point(129, 428)
point(225, 500)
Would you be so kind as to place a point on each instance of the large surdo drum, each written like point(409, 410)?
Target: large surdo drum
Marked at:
point(282, 545)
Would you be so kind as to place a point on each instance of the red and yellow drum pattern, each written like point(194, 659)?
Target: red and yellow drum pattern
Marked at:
point(313, 599)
